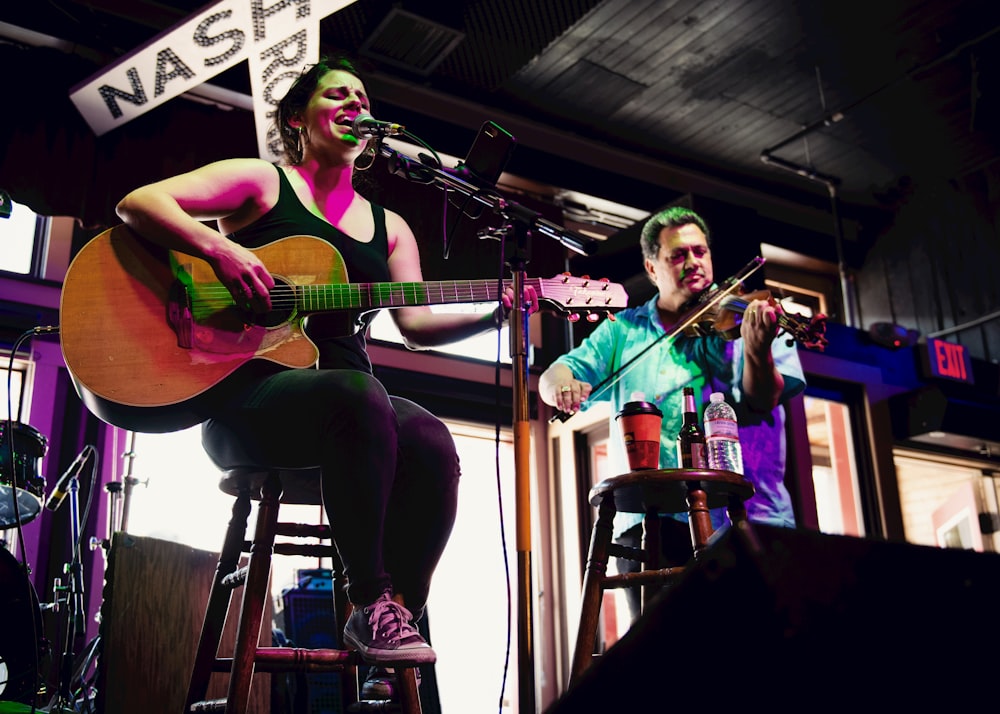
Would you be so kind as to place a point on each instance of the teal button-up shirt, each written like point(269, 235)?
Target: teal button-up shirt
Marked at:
point(709, 364)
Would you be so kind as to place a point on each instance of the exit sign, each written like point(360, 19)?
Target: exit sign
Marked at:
point(948, 360)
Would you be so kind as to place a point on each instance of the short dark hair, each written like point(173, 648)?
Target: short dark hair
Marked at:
point(295, 100)
point(673, 217)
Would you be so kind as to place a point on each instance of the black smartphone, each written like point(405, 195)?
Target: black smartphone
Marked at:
point(489, 154)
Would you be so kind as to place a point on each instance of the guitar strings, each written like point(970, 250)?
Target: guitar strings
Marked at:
point(346, 295)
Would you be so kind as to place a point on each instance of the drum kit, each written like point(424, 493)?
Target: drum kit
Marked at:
point(22, 491)
point(23, 647)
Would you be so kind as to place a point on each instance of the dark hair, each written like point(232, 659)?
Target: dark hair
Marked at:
point(295, 100)
point(672, 217)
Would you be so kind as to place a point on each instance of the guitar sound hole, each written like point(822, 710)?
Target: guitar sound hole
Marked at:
point(282, 306)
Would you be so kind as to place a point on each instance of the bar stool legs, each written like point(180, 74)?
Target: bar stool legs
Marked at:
point(652, 493)
point(593, 589)
point(248, 657)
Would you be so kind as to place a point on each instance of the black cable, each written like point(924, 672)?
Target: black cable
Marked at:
point(463, 211)
point(425, 145)
point(503, 538)
point(9, 445)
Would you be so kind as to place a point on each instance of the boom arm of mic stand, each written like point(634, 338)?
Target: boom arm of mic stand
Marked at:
point(574, 241)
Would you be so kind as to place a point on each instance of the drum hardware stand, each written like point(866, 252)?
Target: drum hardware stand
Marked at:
point(119, 500)
point(72, 596)
point(129, 484)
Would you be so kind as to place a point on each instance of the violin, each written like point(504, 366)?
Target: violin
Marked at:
point(726, 316)
point(716, 313)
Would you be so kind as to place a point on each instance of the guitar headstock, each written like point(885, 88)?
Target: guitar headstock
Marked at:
point(582, 296)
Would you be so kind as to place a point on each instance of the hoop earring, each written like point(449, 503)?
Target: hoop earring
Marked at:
point(373, 151)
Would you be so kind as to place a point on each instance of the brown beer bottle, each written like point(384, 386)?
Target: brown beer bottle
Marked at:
point(690, 439)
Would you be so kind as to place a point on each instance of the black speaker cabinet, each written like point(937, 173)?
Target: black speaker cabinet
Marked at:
point(802, 621)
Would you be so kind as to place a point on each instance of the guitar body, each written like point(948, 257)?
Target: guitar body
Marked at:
point(123, 352)
point(149, 335)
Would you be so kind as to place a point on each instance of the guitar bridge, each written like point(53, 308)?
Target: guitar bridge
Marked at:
point(179, 314)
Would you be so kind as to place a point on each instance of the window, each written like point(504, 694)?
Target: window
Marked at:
point(803, 285)
point(21, 238)
point(483, 347)
point(14, 380)
point(935, 489)
point(834, 475)
point(179, 501)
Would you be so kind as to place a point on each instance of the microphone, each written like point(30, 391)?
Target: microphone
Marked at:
point(62, 485)
point(365, 126)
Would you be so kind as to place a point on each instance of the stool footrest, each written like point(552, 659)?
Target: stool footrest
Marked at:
point(302, 530)
point(373, 705)
point(209, 705)
point(623, 551)
point(316, 550)
point(298, 659)
point(294, 659)
point(643, 577)
point(235, 578)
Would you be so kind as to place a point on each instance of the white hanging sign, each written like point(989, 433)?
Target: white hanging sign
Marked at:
point(277, 38)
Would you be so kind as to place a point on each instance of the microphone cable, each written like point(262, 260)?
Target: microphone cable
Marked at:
point(499, 478)
point(8, 445)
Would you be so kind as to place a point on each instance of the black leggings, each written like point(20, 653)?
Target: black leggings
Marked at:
point(389, 469)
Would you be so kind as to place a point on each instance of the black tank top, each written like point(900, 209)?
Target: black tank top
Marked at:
point(365, 263)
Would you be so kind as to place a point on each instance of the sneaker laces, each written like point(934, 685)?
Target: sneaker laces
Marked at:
point(385, 614)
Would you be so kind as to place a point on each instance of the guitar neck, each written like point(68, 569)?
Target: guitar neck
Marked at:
point(371, 296)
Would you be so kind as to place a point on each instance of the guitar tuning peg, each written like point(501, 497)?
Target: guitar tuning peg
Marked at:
point(573, 317)
point(610, 316)
point(593, 317)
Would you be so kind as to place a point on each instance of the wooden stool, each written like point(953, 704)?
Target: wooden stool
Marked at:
point(652, 493)
point(272, 487)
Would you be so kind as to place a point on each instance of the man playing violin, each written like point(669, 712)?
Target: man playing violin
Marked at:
point(756, 372)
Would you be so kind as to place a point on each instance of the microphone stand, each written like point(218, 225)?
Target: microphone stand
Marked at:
point(63, 700)
point(129, 482)
point(522, 222)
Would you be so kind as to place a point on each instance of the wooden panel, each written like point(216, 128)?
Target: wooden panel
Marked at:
point(154, 601)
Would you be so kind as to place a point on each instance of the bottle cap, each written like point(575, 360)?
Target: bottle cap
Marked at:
point(717, 397)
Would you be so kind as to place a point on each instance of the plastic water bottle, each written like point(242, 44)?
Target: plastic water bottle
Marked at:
point(722, 436)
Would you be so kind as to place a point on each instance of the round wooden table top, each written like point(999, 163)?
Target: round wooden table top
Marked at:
point(666, 490)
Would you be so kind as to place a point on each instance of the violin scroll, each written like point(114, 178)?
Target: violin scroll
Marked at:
point(810, 332)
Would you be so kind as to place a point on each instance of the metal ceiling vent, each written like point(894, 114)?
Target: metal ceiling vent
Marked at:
point(411, 42)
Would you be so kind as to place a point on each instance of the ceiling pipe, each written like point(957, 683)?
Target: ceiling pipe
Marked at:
point(831, 182)
point(849, 302)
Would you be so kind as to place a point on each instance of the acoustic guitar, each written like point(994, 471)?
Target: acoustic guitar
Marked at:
point(147, 333)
